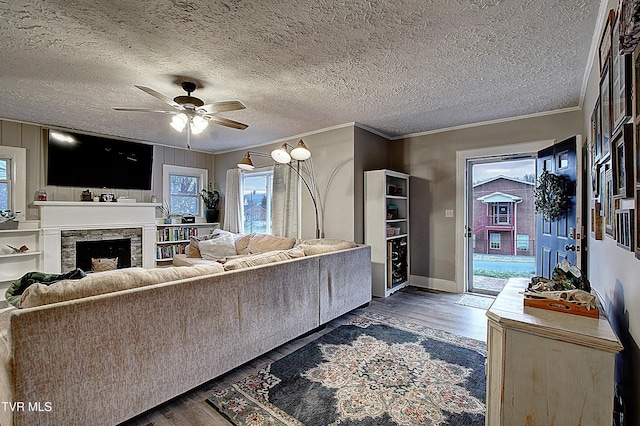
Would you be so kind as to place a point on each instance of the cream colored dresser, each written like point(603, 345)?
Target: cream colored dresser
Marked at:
point(547, 368)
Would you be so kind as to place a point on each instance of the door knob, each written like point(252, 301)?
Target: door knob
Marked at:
point(571, 247)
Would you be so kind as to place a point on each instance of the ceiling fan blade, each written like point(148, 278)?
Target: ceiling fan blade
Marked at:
point(226, 122)
point(160, 96)
point(221, 107)
point(144, 110)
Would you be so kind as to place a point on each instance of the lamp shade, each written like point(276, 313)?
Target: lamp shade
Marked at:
point(300, 152)
point(281, 155)
point(179, 121)
point(246, 163)
point(198, 124)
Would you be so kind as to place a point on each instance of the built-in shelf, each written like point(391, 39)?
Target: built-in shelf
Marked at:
point(387, 229)
point(24, 254)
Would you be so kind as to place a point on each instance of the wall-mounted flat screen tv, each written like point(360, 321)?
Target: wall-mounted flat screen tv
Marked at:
point(87, 161)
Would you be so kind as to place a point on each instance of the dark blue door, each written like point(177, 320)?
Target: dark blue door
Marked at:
point(555, 240)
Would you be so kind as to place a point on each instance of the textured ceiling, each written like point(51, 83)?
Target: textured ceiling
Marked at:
point(397, 66)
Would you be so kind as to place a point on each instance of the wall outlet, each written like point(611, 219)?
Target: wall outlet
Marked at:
point(448, 213)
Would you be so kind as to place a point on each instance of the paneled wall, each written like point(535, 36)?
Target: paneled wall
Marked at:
point(33, 139)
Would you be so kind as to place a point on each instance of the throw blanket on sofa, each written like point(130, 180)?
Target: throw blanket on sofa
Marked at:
point(14, 292)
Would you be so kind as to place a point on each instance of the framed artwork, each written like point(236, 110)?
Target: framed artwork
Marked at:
point(624, 228)
point(637, 224)
point(609, 209)
point(622, 163)
point(621, 76)
point(605, 112)
point(596, 131)
point(602, 182)
point(604, 49)
point(595, 181)
point(629, 25)
point(596, 221)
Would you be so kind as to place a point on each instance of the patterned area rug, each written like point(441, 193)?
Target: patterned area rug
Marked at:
point(474, 301)
point(375, 370)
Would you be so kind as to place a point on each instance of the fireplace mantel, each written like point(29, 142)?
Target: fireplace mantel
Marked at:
point(56, 216)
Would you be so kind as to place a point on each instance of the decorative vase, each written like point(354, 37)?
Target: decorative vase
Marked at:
point(211, 215)
point(9, 224)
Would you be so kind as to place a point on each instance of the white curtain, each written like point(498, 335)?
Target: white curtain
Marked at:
point(233, 202)
point(285, 201)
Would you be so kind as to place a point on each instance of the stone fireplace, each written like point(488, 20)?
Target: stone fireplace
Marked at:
point(80, 246)
point(65, 223)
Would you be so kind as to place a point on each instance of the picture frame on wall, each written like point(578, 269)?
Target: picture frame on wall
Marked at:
point(609, 209)
point(621, 81)
point(605, 112)
point(602, 181)
point(637, 224)
point(595, 181)
point(622, 163)
point(596, 221)
point(596, 133)
point(604, 48)
point(624, 228)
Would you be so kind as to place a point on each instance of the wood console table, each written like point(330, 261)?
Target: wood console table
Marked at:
point(546, 368)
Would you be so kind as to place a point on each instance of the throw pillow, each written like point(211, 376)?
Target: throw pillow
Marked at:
point(104, 264)
point(242, 243)
point(261, 243)
point(262, 259)
point(193, 248)
point(216, 248)
point(311, 249)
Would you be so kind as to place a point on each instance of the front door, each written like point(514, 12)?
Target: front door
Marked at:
point(556, 240)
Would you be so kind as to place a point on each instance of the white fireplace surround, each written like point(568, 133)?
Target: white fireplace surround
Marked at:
point(56, 216)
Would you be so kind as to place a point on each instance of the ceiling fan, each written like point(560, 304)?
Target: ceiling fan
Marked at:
point(191, 110)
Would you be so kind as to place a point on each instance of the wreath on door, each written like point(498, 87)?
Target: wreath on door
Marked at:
point(551, 197)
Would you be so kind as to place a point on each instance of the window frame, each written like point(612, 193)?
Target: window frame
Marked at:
point(17, 178)
point(522, 236)
point(265, 171)
point(491, 243)
point(201, 174)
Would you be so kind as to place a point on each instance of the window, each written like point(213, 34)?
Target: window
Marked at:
point(522, 242)
point(13, 179)
point(256, 201)
point(501, 213)
point(181, 189)
point(494, 241)
point(5, 183)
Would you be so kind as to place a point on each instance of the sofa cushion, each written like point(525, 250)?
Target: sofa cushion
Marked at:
point(262, 259)
point(311, 249)
point(262, 243)
point(320, 241)
point(216, 248)
point(109, 282)
point(193, 248)
point(183, 260)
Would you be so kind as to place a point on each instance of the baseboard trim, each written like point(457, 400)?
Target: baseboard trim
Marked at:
point(434, 283)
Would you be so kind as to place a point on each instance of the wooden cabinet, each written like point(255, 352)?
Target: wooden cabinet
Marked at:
point(546, 367)
point(171, 239)
point(387, 229)
point(14, 265)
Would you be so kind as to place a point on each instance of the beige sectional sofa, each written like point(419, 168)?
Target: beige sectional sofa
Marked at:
point(101, 359)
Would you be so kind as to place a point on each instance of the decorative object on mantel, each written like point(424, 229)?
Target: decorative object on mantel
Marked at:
point(8, 219)
point(211, 200)
point(86, 195)
point(22, 249)
point(568, 291)
point(107, 198)
point(551, 197)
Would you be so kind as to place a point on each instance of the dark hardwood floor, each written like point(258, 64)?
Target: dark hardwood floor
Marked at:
point(428, 308)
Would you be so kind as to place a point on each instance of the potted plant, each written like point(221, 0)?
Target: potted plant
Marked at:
point(8, 219)
point(211, 200)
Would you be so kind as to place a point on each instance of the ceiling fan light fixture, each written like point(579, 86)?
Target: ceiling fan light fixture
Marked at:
point(281, 155)
point(246, 163)
point(300, 152)
point(179, 121)
point(198, 124)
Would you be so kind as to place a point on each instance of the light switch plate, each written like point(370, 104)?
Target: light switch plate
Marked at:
point(448, 213)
